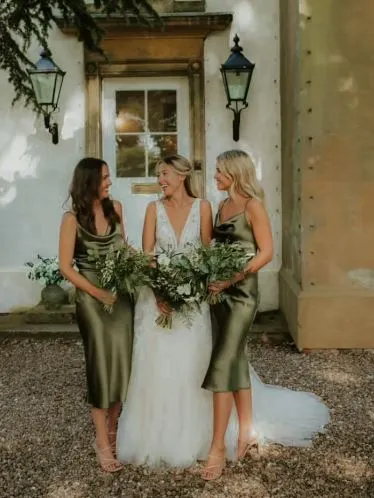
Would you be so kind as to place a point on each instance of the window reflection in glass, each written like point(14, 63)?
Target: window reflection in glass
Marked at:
point(160, 146)
point(162, 110)
point(146, 129)
point(130, 152)
point(130, 111)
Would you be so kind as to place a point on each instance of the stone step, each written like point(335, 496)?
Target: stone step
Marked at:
point(39, 314)
point(66, 314)
point(40, 331)
point(70, 331)
point(38, 322)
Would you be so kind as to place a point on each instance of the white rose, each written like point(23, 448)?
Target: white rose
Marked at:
point(184, 290)
point(163, 260)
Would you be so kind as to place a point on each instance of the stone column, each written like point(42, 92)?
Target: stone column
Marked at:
point(327, 90)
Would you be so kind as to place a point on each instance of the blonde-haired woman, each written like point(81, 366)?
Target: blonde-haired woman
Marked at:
point(280, 415)
point(167, 416)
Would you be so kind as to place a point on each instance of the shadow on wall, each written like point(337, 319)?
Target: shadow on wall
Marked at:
point(31, 196)
point(34, 182)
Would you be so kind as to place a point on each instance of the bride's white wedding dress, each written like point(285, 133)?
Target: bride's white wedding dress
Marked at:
point(167, 417)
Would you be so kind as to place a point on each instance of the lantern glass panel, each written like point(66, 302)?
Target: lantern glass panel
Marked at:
point(237, 84)
point(43, 84)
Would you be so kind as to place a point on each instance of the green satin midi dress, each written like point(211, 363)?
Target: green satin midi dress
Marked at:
point(232, 319)
point(107, 337)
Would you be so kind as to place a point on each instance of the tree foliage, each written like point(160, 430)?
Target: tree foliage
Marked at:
point(23, 22)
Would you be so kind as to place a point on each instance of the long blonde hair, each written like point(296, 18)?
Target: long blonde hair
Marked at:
point(182, 166)
point(237, 165)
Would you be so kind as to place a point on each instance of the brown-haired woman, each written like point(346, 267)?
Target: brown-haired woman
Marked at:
point(95, 222)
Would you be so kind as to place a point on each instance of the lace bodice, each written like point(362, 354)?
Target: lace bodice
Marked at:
point(166, 237)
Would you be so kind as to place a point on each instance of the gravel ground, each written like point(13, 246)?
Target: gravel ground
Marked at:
point(46, 434)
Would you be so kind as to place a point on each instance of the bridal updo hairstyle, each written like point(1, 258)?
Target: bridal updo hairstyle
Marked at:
point(182, 166)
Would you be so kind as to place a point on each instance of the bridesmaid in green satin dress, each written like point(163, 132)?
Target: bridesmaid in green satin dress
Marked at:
point(95, 222)
point(242, 219)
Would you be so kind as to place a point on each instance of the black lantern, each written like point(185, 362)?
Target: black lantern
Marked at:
point(237, 74)
point(46, 80)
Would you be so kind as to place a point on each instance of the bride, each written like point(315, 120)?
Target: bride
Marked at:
point(166, 418)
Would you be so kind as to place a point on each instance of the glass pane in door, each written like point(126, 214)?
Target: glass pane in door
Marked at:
point(162, 110)
point(160, 146)
point(130, 156)
point(130, 111)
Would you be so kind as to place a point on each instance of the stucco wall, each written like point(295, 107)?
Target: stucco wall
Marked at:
point(34, 174)
point(257, 24)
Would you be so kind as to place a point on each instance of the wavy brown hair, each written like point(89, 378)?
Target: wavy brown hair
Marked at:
point(84, 190)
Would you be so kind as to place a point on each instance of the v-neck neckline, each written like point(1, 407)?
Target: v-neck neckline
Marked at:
point(179, 239)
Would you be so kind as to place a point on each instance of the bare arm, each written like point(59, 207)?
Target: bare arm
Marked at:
point(206, 222)
point(119, 210)
point(258, 217)
point(68, 230)
point(149, 242)
point(149, 228)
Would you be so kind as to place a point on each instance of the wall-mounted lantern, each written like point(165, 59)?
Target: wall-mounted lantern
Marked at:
point(46, 81)
point(237, 74)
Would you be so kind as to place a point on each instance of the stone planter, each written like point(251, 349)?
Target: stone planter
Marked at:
point(53, 296)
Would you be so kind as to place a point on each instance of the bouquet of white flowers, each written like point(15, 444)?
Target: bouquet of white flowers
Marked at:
point(46, 269)
point(220, 261)
point(122, 269)
point(175, 280)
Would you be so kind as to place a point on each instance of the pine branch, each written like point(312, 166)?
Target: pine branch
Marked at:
point(23, 22)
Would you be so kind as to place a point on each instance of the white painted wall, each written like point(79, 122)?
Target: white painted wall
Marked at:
point(257, 24)
point(35, 174)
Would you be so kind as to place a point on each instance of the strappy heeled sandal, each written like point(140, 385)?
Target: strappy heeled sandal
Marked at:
point(107, 464)
point(113, 442)
point(214, 471)
point(250, 443)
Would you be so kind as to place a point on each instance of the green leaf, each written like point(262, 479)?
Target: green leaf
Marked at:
point(23, 22)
